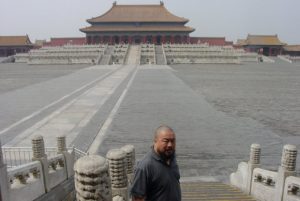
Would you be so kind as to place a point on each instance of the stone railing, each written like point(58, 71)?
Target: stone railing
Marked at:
point(203, 53)
point(34, 179)
point(147, 54)
point(68, 54)
point(266, 59)
point(119, 53)
point(295, 58)
point(265, 184)
point(199, 53)
point(96, 178)
point(290, 59)
point(107, 179)
point(26, 182)
point(285, 58)
point(21, 58)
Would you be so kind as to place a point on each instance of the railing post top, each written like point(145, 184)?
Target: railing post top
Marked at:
point(115, 154)
point(128, 148)
point(61, 136)
point(37, 137)
point(38, 147)
point(92, 164)
point(61, 143)
point(289, 156)
point(255, 146)
point(1, 156)
point(290, 147)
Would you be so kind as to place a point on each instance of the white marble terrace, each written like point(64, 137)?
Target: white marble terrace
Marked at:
point(267, 185)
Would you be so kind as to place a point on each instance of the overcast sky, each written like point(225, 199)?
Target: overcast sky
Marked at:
point(42, 19)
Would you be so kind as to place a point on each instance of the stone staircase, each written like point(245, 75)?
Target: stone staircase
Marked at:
point(208, 191)
point(106, 57)
point(133, 55)
point(159, 55)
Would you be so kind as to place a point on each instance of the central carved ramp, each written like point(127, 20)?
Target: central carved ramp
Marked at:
point(198, 191)
point(133, 55)
point(159, 55)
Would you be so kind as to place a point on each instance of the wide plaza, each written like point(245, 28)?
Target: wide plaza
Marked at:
point(217, 110)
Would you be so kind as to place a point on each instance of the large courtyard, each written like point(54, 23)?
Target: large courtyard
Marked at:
point(217, 111)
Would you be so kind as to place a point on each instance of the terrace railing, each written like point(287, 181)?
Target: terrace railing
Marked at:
point(17, 156)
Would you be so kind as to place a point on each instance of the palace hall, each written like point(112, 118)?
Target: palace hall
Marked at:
point(136, 24)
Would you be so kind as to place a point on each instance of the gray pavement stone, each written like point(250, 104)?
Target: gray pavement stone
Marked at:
point(217, 111)
point(22, 102)
point(209, 142)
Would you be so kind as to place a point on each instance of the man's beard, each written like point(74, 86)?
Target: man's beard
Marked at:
point(166, 156)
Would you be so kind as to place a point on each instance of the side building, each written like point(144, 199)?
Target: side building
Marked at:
point(268, 45)
point(10, 45)
point(136, 24)
point(292, 50)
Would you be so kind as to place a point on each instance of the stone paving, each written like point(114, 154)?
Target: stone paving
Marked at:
point(14, 76)
point(75, 115)
point(217, 111)
point(29, 103)
point(210, 142)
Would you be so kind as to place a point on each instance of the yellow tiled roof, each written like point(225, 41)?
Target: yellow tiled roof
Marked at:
point(14, 41)
point(292, 48)
point(241, 42)
point(263, 40)
point(136, 28)
point(138, 13)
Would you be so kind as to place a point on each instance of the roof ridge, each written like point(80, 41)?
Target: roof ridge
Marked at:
point(120, 12)
point(14, 36)
point(262, 35)
point(137, 5)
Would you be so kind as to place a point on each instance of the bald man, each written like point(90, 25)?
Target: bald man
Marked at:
point(157, 175)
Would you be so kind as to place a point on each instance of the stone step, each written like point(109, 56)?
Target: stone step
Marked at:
point(160, 60)
point(209, 191)
point(133, 55)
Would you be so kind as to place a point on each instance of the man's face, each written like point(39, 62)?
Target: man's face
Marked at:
point(165, 143)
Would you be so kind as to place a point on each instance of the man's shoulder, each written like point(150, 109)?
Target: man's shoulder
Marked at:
point(146, 161)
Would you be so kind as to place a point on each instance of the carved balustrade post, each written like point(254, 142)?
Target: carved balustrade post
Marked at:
point(129, 161)
point(254, 162)
point(4, 195)
point(117, 169)
point(38, 150)
point(61, 144)
point(92, 181)
point(69, 157)
point(287, 168)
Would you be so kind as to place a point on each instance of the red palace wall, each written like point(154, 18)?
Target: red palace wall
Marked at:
point(212, 41)
point(65, 41)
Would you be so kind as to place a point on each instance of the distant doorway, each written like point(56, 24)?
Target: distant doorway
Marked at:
point(177, 39)
point(266, 51)
point(125, 39)
point(116, 40)
point(158, 40)
point(149, 39)
point(168, 39)
point(137, 39)
point(106, 39)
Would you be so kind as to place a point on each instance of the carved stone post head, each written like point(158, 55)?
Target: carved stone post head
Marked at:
point(255, 154)
point(38, 147)
point(117, 167)
point(118, 174)
point(92, 181)
point(130, 157)
point(61, 144)
point(1, 155)
point(288, 159)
